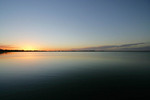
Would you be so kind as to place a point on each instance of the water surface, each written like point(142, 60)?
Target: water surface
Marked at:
point(74, 75)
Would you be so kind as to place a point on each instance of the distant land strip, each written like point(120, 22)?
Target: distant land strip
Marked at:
point(74, 50)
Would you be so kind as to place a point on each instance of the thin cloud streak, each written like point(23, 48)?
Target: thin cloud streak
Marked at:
point(133, 46)
point(6, 47)
point(128, 45)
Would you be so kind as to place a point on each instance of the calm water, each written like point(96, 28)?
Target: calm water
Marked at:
point(74, 75)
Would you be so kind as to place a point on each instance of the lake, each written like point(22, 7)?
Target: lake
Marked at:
point(74, 75)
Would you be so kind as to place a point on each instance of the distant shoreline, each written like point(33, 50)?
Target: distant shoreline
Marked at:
point(4, 51)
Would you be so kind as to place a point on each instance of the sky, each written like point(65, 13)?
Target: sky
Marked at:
point(74, 24)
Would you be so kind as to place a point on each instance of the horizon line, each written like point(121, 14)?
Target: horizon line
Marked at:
point(1, 50)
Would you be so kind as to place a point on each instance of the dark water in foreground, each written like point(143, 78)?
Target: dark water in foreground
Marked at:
point(74, 75)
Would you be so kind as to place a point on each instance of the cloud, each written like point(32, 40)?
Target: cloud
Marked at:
point(128, 45)
point(133, 46)
point(6, 47)
point(145, 48)
point(100, 47)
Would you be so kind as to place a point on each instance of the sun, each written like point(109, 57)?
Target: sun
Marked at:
point(29, 48)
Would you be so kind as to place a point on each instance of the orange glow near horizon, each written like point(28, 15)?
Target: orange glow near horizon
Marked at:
point(33, 47)
point(29, 48)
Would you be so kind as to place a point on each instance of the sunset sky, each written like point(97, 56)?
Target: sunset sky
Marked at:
point(74, 24)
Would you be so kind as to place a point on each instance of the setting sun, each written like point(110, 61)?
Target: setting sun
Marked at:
point(29, 48)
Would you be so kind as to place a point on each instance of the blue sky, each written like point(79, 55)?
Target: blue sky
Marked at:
point(66, 24)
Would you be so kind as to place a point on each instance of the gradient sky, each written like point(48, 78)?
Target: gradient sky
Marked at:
point(66, 24)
